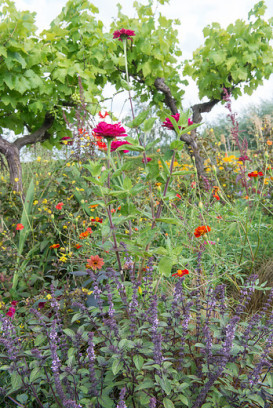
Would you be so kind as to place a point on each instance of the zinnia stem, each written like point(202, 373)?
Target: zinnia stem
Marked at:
point(112, 227)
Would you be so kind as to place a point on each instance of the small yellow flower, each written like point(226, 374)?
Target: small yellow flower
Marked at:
point(35, 202)
point(16, 179)
point(39, 159)
point(68, 164)
point(48, 297)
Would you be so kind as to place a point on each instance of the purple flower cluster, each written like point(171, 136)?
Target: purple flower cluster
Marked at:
point(126, 339)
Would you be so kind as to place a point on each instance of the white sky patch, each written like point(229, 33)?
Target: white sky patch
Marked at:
point(194, 16)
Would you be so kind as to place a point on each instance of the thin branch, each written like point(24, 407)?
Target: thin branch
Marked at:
point(39, 135)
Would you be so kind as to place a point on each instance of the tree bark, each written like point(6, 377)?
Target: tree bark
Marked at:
point(198, 109)
point(12, 155)
point(11, 151)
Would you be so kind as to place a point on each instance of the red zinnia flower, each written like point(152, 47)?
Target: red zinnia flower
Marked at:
point(123, 34)
point(215, 195)
point(78, 246)
point(97, 219)
point(54, 246)
point(59, 206)
point(168, 124)
point(178, 196)
point(95, 262)
point(255, 174)
point(19, 227)
point(14, 302)
point(110, 130)
point(181, 273)
point(199, 231)
point(117, 143)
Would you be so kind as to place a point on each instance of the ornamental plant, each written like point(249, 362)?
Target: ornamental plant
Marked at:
point(138, 348)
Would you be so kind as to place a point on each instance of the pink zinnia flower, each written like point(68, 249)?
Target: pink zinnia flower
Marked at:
point(95, 262)
point(116, 143)
point(110, 130)
point(11, 312)
point(14, 302)
point(59, 206)
point(168, 124)
point(123, 34)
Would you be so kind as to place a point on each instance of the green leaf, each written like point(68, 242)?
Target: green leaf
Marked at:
point(183, 399)
point(35, 373)
point(127, 183)
point(168, 403)
point(145, 384)
point(116, 366)
point(23, 398)
point(138, 360)
point(39, 339)
point(133, 148)
point(165, 266)
point(258, 399)
point(148, 124)
point(69, 332)
point(165, 167)
point(26, 217)
point(16, 381)
point(138, 120)
point(177, 145)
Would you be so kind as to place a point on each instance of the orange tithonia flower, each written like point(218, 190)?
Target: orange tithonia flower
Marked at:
point(199, 231)
point(269, 142)
point(95, 262)
point(180, 273)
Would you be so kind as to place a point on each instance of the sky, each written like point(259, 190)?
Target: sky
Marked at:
point(194, 16)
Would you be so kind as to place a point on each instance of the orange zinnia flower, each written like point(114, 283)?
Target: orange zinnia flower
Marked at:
point(54, 246)
point(95, 262)
point(85, 233)
point(199, 231)
point(19, 227)
point(103, 116)
point(269, 142)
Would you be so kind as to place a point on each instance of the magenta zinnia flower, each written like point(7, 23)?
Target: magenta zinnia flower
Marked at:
point(108, 130)
point(168, 124)
point(123, 34)
point(66, 140)
point(117, 143)
point(11, 312)
point(148, 159)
